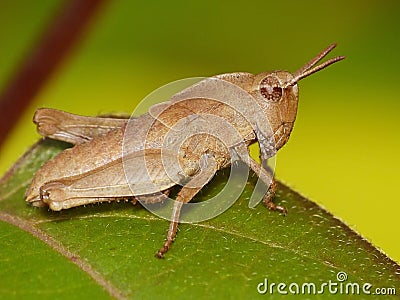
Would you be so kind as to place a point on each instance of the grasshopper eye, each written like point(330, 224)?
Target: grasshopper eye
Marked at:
point(271, 89)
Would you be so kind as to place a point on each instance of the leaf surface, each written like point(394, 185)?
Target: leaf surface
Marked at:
point(108, 250)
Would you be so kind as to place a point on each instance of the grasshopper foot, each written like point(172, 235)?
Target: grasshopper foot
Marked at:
point(268, 199)
point(160, 253)
point(272, 206)
point(173, 227)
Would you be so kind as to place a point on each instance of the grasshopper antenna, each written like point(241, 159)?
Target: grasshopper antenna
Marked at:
point(308, 69)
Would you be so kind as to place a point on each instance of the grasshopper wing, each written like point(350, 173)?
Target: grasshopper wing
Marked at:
point(71, 128)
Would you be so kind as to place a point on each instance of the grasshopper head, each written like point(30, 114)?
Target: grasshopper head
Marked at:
point(277, 93)
point(272, 91)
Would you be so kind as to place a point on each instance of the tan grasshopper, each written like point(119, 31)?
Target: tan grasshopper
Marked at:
point(172, 144)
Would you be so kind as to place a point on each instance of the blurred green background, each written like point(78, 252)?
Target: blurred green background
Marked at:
point(343, 152)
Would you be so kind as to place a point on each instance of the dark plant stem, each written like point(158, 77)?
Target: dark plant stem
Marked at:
point(43, 58)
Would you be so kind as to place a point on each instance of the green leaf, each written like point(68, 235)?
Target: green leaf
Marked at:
point(108, 250)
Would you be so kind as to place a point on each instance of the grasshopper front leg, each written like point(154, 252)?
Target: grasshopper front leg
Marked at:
point(267, 177)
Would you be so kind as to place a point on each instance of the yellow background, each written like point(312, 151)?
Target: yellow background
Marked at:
point(343, 152)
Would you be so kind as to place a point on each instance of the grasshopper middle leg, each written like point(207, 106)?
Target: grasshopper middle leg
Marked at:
point(184, 196)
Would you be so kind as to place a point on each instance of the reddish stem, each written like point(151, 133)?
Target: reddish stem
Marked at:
point(45, 56)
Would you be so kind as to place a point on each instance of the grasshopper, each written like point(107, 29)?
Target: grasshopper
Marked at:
point(172, 144)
